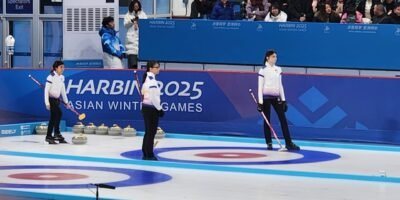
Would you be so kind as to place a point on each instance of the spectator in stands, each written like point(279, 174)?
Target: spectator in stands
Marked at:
point(283, 4)
point(276, 14)
point(350, 14)
point(113, 51)
point(389, 5)
point(315, 5)
point(339, 7)
point(379, 14)
point(222, 10)
point(366, 8)
point(326, 14)
point(393, 18)
point(300, 10)
point(132, 34)
point(201, 9)
point(257, 9)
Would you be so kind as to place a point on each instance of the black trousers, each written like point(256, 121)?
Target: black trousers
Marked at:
point(132, 61)
point(55, 117)
point(150, 115)
point(282, 119)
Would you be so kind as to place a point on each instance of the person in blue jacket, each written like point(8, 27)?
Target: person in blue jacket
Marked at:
point(113, 50)
point(222, 10)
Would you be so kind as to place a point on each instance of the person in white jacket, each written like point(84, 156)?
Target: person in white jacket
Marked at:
point(132, 35)
point(54, 89)
point(272, 93)
point(276, 14)
point(151, 108)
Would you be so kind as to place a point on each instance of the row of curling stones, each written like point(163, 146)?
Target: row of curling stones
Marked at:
point(115, 130)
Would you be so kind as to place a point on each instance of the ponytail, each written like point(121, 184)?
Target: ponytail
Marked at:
point(149, 65)
point(145, 74)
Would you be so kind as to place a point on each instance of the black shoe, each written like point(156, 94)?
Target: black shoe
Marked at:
point(60, 139)
point(292, 147)
point(150, 158)
point(50, 140)
point(62, 142)
point(269, 146)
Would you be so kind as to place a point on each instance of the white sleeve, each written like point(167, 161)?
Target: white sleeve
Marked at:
point(127, 21)
point(49, 81)
point(155, 97)
point(144, 16)
point(260, 86)
point(267, 18)
point(282, 90)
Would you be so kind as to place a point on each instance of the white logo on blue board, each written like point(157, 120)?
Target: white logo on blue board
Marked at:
point(397, 32)
point(327, 29)
point(193, 26)
point(260, 27)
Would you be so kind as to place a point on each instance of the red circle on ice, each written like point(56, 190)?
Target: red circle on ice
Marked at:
point(230, 155)
point(48, 176)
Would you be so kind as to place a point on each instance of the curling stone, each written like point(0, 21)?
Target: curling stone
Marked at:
point(114, 130)
point(89, 129)
point(129, 131)
point(79, 139)
point(78, 128)
point(41, 129)
point(102, 130)
point(160, 133)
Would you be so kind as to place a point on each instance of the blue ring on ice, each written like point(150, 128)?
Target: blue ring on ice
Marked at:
point(136, 177)
point(308, 156)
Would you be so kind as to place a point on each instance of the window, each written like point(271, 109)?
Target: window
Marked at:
point(22, 32)
point(163, 7)
point(52, 42)
point(50, 7)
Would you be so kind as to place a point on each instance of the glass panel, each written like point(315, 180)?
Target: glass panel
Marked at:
point(52, 42)
point(123, 6)
point(50, 7)
point(22, 32)
point(163, 7)
point(1, 6)
point(122, 35)
point(148, 7)
point(1, 44)
point(19, 7)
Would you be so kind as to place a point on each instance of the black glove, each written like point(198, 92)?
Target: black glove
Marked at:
point(284, 105)
point(161, 113)
point(259, 107)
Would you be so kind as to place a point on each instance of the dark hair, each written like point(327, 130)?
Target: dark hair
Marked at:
point(322, 7)
point(149, 65)
point(380, 6)
point(56, 64)
point(268, 54)
point(276, 5)
point(107, 20)
point(396, 5)
point(132, 5)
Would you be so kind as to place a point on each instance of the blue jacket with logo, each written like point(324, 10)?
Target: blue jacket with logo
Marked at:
point(110, 42)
